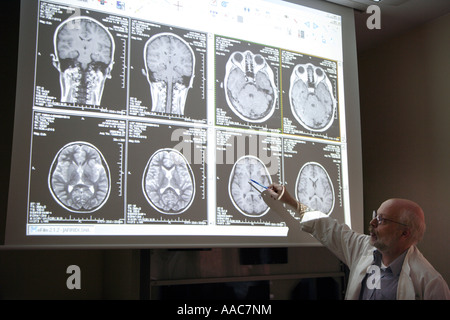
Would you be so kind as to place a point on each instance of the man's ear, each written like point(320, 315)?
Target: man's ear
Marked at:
point(406, 233)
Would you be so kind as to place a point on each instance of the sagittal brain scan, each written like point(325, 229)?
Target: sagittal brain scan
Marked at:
point(79, 178)
point(246, 199)
point(170, 63)
point(84, 51)
point(249, 86)
point(311, 97)
point(168, 182)
point(314, 187)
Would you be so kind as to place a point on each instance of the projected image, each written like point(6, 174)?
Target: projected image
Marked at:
point(84, 57)
point(314, 187)
point(79, 179)
point(168, 72)
point(245, 198)
point(170, 65)
point(81, 59)
point(249, 86)
point(149, 119)
point(168, 182)
point(313, 171)
point(239, 158)
point(311, 97)
point(76, 169)
point(247, 80)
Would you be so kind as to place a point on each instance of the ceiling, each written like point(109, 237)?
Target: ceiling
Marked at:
point(397, 17)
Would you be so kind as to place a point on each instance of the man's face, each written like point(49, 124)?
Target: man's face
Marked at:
point(385, 235)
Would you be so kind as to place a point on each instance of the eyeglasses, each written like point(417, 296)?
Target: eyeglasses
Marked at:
point(380, 219)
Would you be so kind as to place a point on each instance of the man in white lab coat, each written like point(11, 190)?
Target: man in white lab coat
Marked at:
point(385, 265)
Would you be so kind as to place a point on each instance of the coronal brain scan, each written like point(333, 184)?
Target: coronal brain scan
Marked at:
point(314, 188)
point(245, 198)
point(249, 86)
point(168, 182)
point(311, 98)
point(170, 64)
point(84, 51)
point(79, 178)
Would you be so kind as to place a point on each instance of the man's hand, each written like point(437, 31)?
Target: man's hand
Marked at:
point(279, 192)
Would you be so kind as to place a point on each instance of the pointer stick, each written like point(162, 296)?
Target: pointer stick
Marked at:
point(259, 184)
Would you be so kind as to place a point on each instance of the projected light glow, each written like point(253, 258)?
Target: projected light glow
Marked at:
point(148, 118)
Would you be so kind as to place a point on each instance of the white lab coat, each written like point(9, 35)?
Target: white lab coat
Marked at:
point(418, 279)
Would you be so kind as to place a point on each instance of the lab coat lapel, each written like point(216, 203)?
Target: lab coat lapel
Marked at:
point(405, 289)
point(354, 285)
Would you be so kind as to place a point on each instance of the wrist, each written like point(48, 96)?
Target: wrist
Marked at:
point(302, 209)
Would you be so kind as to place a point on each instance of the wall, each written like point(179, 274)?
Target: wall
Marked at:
point(405, 114)
point(42, 274)
point(115, 274)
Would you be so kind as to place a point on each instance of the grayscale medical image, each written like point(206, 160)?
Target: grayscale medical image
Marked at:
point(244, 197)
point(79, 178)
point(170, 65)
point(311, 97)
point(314, 188)
point(84, 51)
point(168, 182)
point(249, 86)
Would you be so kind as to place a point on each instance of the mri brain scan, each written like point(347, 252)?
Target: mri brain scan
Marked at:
point(249, 86)
point(311, 98)
point(84, 51)
point(314, 188)
point(79, 178)
point(170, 65)
point(168, 182)
point(244, 197)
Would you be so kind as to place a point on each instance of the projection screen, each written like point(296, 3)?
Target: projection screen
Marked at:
point(139, 123)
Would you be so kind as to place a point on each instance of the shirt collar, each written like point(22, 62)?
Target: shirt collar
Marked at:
point(395, 266)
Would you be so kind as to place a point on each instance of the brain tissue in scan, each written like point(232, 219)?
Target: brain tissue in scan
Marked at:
point(244, 197)
point(314, 188)
point(249, 87)
point(84, 52)
point(311, 98)
point(170, 65)
point(79, 178)
point(168, 182)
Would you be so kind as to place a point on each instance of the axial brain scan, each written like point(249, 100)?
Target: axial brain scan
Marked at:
point(249, 86)
point(170, 64)
point(311, 98)
point(314, 188)
point(168, 182)
point(79, 178)
point(245, 198)
point(84, 51)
